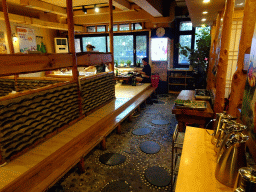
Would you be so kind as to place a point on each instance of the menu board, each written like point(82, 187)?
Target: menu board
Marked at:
point(27, 39)
point(248, 113)
point(3, 49)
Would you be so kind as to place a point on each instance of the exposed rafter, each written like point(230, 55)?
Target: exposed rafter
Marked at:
point(122, 4)
point(43, 6)
point(154, 8)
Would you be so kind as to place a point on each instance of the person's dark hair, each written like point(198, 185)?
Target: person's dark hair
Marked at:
point(145, 59)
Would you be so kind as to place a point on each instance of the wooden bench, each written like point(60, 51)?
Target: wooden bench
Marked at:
point(43, 166)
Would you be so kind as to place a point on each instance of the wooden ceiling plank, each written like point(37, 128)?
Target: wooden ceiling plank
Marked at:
point(122, 4)
point(150, 7)
point(43, 6)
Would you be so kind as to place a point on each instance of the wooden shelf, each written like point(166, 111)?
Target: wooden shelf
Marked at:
point(181, 84)
point(181, 77)
point(174, 92)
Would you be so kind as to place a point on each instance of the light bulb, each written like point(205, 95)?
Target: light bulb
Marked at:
point(97, 9)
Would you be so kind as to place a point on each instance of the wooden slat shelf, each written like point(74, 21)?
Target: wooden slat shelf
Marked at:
point(174, 92)
point(181, 84)
point(181, 77)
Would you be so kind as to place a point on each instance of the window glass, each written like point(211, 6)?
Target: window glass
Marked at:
point(141, 48)
point(138, 26)
point(185, 40)
point(98, 42)
point(198, 33)
point(77, 45)
point(101, 28)
point(91, 29)
point(185, 26)
point(124, 27)
point(123, 49)
point(114, 28)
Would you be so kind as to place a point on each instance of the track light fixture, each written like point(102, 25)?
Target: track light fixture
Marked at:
point(84, 10)
point(96, 9)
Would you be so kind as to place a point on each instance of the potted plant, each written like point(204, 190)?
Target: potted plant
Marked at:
point(116, 63)
point(128, 62)
point(138, 63)
point(199, 57)
point(122, 63)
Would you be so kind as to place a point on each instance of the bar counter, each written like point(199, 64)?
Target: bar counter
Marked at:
point(198, 162)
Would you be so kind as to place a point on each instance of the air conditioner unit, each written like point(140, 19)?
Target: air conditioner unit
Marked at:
point(61, 45)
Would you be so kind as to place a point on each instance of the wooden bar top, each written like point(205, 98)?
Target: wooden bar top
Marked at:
point(190, 95)
point(197, 164)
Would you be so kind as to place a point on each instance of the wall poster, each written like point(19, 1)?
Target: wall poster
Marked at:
point(27, 39)
point(248, 113)
point(3, 48)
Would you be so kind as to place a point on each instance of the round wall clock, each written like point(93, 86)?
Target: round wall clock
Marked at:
point(160, 32)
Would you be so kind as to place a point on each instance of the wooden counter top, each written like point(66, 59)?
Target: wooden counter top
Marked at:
point(198, 162)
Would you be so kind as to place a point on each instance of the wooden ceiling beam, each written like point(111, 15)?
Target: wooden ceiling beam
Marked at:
point(43, 6)
point(39, 23)
point(154, 8)
point(122, 4)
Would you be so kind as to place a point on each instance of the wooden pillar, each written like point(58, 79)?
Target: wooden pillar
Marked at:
point(9, 37)
point(103, 144)
point(72, 50)
point(81, 165)
point(223, 60)
point(210, 76)
point(118, 129)
point(111, 38)
point(239, 77)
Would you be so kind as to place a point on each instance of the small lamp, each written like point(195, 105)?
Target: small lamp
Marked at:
point(84, 10)
point(14, 37)
point(96, 9)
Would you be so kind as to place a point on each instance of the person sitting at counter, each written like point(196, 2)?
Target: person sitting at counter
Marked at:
point(145, 73)
point(89, 47)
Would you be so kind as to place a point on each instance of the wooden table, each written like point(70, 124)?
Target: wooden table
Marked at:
point(184, 116)
point(197, 164)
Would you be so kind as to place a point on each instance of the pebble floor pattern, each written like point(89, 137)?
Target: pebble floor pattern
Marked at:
point(98, 175)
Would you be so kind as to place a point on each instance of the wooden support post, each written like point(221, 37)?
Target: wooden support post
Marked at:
point(130, 118)
point(103, 144)
point(9, 37)
point(81, 165)
point(111, 37)
point(239, 77)
point(118, 129)
point(210, 83)
point(71, 39)
point(223, 60)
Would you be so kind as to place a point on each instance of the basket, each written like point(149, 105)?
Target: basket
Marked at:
point(155, 80)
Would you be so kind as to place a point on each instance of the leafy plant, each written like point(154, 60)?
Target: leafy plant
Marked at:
point(199, 57)
point(128, 62)
point(116, 63)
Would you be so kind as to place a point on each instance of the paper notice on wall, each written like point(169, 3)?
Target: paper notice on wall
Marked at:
point(3, 49)
point(27, 39)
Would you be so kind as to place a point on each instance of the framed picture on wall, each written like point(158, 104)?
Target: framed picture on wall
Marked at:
point(247, 59)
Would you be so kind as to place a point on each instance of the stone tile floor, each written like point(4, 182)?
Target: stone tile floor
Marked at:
point(98, 175)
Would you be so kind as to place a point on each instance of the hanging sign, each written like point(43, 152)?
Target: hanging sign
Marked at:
point(27, 39)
